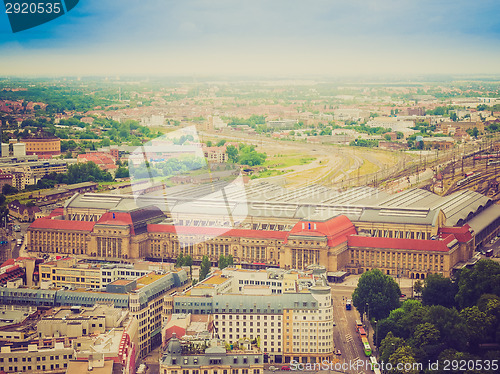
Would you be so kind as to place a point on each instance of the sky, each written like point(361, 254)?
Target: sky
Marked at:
point(256, 37)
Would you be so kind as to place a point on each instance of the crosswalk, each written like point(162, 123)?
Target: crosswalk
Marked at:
point(348, 338)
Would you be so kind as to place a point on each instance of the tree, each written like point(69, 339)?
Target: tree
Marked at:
point(7, 189)
point(446, 320)
point(476, 325)
point(122, 172)
point(403, 361)
point(180, 261)
point(472, 283)
point(425, 334)
point(188, 261)
point(205, 268)
point(389, 345)
point(418, 287)
point(232, 153)
point(439, 290)
point(222, 262)
point(221, 142)
point(379, 291)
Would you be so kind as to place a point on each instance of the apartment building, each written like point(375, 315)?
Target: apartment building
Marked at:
point(295, 324)
point(73, 273)
point(179, 358)
point(146, 298)
point(36, 359)
point(66, 333)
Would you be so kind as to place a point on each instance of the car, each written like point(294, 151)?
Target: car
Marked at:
point(334, 324)
point(402, 295)
point(337, 352)
point(273, 368)
point(286, 368)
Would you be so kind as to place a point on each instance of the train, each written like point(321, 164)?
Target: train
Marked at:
point(485, 157)
point(467, 178)
point(364, 340)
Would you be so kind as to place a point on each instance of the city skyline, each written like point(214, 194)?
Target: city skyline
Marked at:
point(259, 38)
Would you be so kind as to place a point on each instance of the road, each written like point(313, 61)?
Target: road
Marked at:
point(19, 251)
point(345, 336)
point(344, 333)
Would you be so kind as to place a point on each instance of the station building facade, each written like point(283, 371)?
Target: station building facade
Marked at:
point(404, 240)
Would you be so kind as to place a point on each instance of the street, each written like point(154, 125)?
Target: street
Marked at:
point(345, 336)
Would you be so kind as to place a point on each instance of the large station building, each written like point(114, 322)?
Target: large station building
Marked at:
point(412, 233)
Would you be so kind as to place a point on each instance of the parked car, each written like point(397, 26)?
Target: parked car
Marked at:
point(273, 368)
point(337, 352)
point(285, 368)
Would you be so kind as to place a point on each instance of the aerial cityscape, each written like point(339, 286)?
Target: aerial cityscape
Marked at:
point(225, 188)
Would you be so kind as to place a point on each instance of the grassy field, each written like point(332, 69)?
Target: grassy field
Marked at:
point(24, 197)
point(367, 168)
point(281, 161)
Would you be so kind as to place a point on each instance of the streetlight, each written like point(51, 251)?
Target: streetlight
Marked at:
point(368, 318)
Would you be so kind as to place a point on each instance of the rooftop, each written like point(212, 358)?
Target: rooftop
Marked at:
point(148, 279)
point(215, 279)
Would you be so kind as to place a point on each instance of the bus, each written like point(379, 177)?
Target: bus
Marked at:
point(358, 325)
point(374, 365)
point(362, 333)
point(348, 304)
point(367, 348)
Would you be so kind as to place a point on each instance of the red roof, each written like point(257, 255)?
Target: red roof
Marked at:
point(117, 218)
point(463, 234)
point(215, 231)
point(61, 224)
point(439, 245)
point(10, 261)
point(336, 230)
point(57, 212)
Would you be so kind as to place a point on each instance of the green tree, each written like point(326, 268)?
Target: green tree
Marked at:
point(7, 189)
point(476, 325)
point(205, 268)
point(188, 261)
point(378, 292)
point(446, 320)
point(484, 278)
point(418, 287)
point(232, 153)
point(439, 290)
point(425, 334)
point(389, 346)
point(403, 361)
point(180, 261)
point(221, 142)
point(122, 172)
point(222, 262)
